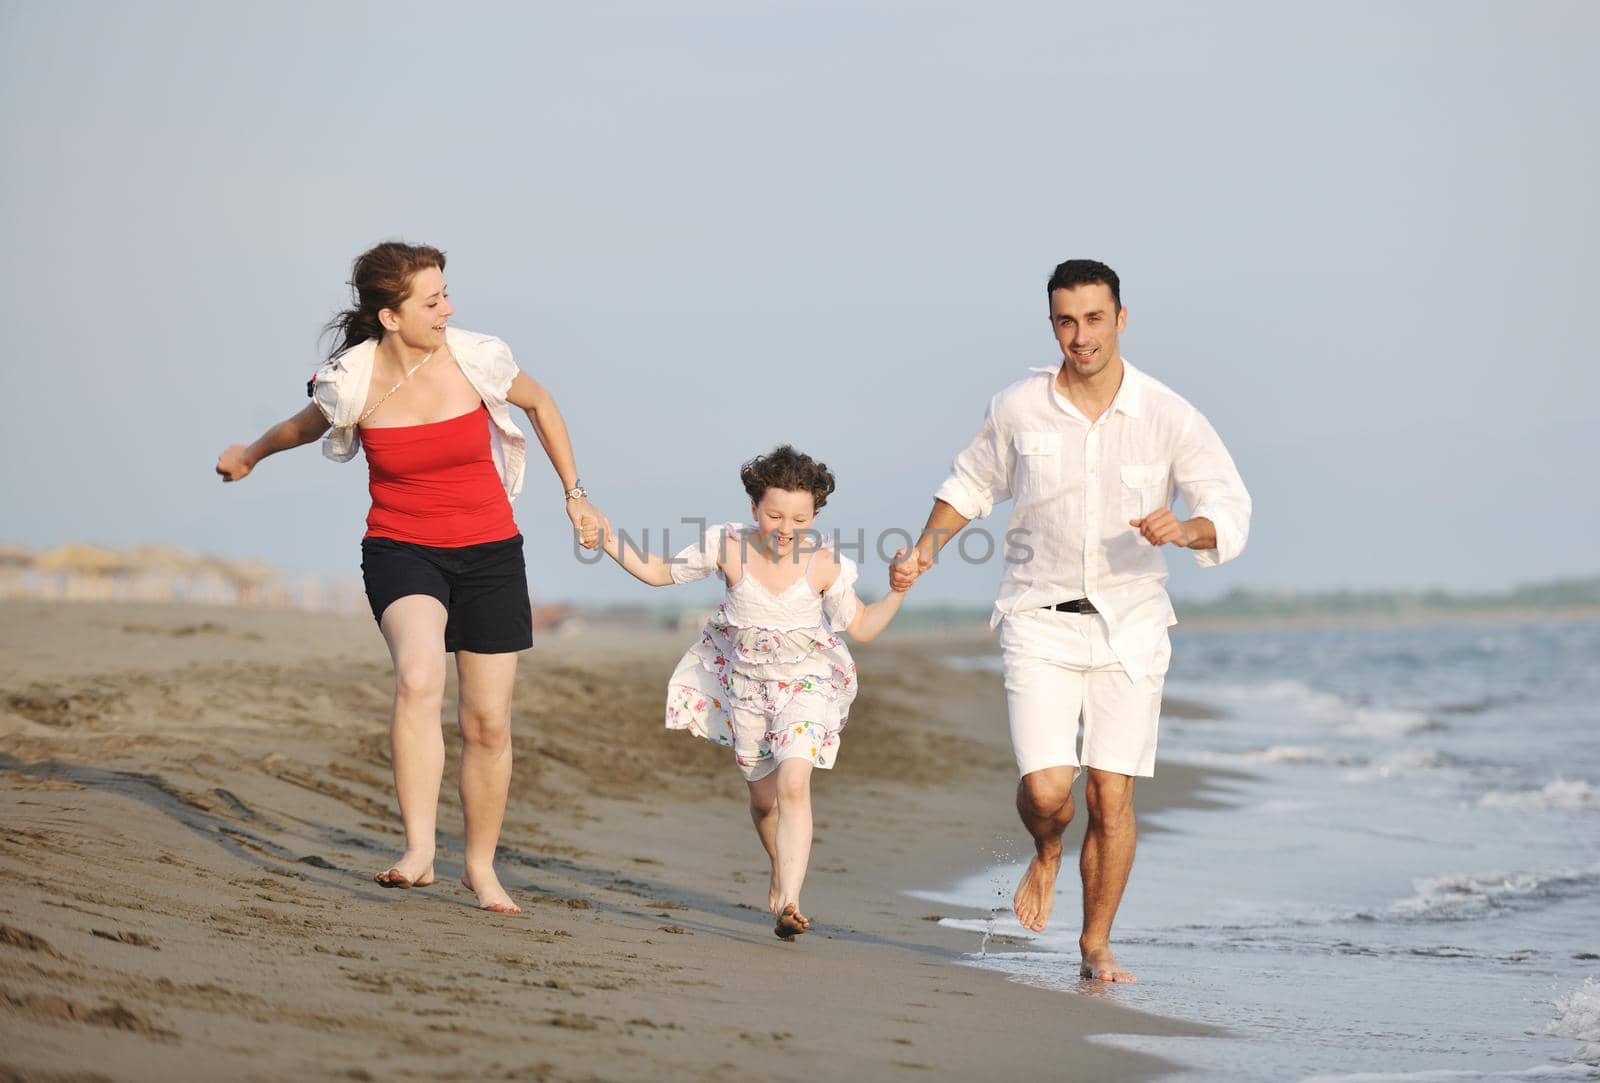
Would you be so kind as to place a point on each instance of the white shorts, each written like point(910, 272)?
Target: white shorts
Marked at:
point(1059, 667)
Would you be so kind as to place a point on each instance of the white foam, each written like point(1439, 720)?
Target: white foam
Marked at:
point(1562, 794)
point(1408, 761)
point(1372, 722)
point(1273, 693)
point(986, 663)
point(1273, 754)
point(1467, 895)
point(1578, 1018)
point(1455, 1075)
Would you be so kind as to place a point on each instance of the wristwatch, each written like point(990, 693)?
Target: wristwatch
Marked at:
point(577, 492)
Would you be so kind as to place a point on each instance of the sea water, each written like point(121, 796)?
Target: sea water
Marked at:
point(1405, 884)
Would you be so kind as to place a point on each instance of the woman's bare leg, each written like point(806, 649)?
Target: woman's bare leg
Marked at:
point(486, 682)
point(413, 627)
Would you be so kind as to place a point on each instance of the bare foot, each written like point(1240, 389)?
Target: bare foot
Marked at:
point(1036, 894)
point(1100, 965)
point(492, 896)
point(791, 923)
point(409, 871)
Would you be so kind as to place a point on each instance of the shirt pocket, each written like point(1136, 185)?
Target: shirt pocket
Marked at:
point(1144, 489)
point(1038, 464)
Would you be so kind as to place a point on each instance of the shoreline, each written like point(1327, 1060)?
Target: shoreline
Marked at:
point(195, 800)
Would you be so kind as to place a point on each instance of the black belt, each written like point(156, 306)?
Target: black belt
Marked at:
point(1077, 605)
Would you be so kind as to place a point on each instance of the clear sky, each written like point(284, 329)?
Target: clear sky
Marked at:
point(1360, 237)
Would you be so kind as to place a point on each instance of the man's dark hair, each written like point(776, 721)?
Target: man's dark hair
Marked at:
point(785, 468)
point(1085, 272)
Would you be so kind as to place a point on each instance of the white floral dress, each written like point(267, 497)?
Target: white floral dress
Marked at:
point(769, 676)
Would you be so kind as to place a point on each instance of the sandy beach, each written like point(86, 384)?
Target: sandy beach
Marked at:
point(195, 799)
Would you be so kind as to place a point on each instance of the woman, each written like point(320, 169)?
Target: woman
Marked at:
point(442, 558)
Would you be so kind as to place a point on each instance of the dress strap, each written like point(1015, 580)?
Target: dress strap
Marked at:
point(809, 561)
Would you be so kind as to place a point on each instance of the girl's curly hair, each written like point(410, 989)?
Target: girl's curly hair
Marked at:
point(785, 468)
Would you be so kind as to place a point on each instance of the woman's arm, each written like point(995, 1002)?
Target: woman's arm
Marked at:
point(548, 425)
point(874, 617)
point(236, 462)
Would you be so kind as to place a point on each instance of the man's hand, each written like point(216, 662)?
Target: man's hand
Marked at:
point(590, 523)
point(233, 463)
point(906, 566)
point(1163, 528)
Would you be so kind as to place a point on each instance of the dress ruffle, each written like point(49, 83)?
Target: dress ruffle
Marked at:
point(764, 671)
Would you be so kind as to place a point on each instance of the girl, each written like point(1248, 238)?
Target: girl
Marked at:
point(442, 558)
point(769, 676)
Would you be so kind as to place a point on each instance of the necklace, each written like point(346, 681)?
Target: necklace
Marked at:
point(385, 396)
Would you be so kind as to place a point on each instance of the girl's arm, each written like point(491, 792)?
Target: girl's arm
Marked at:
point(647, 568)
point(874, 617)
point(236, 462)
point(839, 598)
point(551, 429)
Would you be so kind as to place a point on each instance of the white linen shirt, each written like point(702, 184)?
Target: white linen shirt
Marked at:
point(1074, 486)
point(340, 389)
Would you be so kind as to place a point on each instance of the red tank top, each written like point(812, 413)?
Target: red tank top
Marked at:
point(436, 484)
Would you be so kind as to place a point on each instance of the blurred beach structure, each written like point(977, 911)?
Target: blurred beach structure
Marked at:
point(165, 574)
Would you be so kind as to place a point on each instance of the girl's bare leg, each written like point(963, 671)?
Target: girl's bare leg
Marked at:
point(794, 839)
point(413, 627)
point(764, 813)
point(486, 682)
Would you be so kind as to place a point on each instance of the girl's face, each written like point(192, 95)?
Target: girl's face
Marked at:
point(421, 318)
point(780, 516)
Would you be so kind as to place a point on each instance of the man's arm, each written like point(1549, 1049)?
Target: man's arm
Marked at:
point(1209, 483)
point(944, 523)
point(1164, 528)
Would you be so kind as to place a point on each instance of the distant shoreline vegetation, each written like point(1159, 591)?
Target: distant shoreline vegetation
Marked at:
point(1556, 595)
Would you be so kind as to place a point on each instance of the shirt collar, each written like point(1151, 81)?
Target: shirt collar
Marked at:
point(1128, 397)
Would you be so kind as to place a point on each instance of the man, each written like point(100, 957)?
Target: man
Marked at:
point(1091, 454)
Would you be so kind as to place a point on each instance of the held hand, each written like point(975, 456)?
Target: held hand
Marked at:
point(906, 567)
point(232, 464)
point(1162, 528)
point(590, 523)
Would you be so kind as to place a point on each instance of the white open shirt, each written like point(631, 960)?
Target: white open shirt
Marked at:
point(1075, 484)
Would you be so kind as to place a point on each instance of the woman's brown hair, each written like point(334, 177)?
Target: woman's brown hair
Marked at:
point(380, 279)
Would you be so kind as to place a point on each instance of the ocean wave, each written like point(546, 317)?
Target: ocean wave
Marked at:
point(1393, 722)
point(1463, 897)
point(967, 663)
point(1562, 794)
point(1279, 692)
point(1409, 761)
point(1272, 754)
point(1578, 1018)
point(1457, 1075)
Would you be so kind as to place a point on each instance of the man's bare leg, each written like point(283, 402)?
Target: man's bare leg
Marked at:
point(764, 814)
point(486, 681)
point(1107, 858)
point(413, 627)
point(1044, 801)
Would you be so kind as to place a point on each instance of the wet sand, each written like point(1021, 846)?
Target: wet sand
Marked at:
point(193, 802)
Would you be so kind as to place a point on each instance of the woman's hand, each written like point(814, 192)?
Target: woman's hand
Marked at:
point(234, 463)
point(591, 524)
